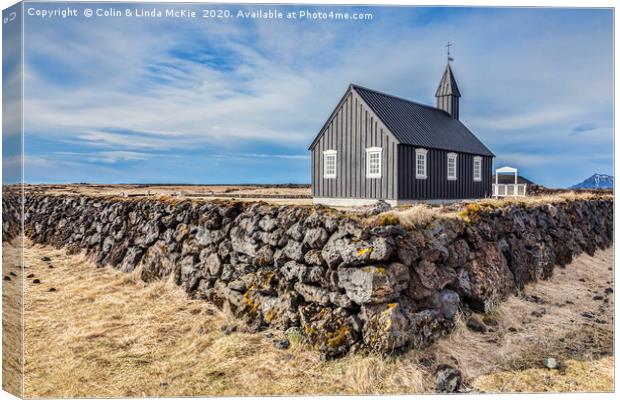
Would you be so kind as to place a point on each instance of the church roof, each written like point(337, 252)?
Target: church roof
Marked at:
point(447, 85)
point(421, 125)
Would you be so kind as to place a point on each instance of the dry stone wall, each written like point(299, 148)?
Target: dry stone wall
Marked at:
point(11, 213)
point(343, 284)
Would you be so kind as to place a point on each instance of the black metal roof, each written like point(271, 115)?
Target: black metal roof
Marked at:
point(421, 125)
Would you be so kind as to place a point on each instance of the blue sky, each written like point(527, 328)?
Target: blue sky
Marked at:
point(113, 100)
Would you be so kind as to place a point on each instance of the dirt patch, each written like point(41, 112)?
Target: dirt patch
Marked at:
point(104, 333)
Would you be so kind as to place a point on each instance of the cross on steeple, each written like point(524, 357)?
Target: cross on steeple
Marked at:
point(448, 47)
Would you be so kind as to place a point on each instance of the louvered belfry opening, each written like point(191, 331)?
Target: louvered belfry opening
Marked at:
point(448, 93)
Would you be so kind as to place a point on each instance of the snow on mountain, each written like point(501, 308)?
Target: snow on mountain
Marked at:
point(596, 181)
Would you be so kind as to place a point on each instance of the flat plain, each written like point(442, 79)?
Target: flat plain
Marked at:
point(277, 194)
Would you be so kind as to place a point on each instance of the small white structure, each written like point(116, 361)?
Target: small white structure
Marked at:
point(508, 189)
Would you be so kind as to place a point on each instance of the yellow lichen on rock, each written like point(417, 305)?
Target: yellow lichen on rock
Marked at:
point(337, 338)
point(251, 303)
point(365, 250)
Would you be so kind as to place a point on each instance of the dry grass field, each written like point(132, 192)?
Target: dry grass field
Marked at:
point(202, 192)
point(99, 332)
point(12, 320)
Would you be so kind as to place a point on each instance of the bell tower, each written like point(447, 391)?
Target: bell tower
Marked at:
point(448, 93)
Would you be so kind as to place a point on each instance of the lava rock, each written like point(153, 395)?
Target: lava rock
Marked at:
point(386, 327)
point(313, 257)
point(374, 284)
point(294, 251)
point(450, 302)
point(313, 294)
point(131, 259)
point(315, 238)
point(433, 276)
point(282, 344)
point(448, 379)
point(475, 324)
point(376, 208)
point(427, 326)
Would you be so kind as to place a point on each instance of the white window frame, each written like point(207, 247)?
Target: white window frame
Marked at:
point(477, 161)
point(372, 151)
point(423, 153)
point(452, 157)
point(327, 154)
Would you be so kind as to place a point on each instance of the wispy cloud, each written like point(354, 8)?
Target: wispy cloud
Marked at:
point(583, 128)
point(110, 157)
point(264, 155)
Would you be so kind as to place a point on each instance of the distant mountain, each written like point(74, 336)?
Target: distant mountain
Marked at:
point(596, 181)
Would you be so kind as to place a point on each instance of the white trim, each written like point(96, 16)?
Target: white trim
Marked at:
point(477, 159)
point(403, 202)
point(507, 170)
point(351, 202)
point(374, 151)
point(452, 157)
point(329, 154)
point(421, 152)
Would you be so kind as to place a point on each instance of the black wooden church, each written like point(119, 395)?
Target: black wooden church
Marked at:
point(378, 146)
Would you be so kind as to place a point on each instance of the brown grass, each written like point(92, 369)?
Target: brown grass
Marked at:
point(578, 376)
point(544, 199)
point(419, 215)
point(12, 296)
point(201, 192)
point(105, 333)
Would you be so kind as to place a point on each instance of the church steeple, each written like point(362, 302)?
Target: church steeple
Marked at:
point(448, 93)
